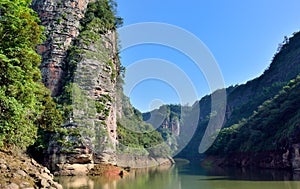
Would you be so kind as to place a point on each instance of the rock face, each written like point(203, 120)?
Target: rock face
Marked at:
point(169, 121)
point(61, 22)
point(295, 157)
point(93, 58)
point(173, 126)
point(80, 65)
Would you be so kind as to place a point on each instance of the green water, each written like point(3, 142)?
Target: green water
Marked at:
point(190, 176)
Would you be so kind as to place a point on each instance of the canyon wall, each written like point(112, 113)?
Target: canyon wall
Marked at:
point(85, 61)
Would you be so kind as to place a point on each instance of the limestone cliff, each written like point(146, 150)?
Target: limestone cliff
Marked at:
point(80, 66)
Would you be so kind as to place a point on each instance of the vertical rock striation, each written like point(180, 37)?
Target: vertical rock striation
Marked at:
point(85, 60)
point(81, 67)
point(61, 21)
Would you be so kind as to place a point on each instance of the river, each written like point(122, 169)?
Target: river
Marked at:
point(189, 176)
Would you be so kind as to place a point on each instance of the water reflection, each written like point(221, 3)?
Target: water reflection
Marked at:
point(151, 178)
point(189, 176)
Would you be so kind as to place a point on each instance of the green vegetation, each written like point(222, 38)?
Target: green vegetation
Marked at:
point(262, 115)
point(26, 108)
point(136, 136)
point(247, 106)
point(103, 14)
point(29, 116)
point(100, 18)
point(243, 100)
point(265, 119)
point(284, 67)
point(273, 126)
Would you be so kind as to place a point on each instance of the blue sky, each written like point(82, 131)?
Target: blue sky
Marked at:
point(242, 36)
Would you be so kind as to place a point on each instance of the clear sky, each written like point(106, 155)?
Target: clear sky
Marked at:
point(242, 36)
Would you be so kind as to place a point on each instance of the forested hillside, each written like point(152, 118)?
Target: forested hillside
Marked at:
point(243, 100)
point(273, 127)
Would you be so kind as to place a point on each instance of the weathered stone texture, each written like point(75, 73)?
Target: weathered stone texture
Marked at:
point(95, 78)
point(94, 82)
point(61, 21)
point(20, 171)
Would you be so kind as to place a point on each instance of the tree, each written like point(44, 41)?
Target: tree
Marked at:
point(24, 100)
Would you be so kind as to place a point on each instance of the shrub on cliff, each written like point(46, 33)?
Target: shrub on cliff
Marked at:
point(105, 12)
point(25, 103)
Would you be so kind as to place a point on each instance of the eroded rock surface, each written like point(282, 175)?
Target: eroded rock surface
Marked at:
point(19, 171)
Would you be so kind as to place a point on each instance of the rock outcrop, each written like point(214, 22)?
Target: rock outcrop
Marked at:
point(169, 121)
point(24, 172)
point(94, 110)
point(91, 57)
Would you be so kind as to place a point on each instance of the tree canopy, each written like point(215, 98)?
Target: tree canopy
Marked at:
point(25, 103)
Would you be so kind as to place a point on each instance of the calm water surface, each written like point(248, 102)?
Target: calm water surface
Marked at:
point(189, 176)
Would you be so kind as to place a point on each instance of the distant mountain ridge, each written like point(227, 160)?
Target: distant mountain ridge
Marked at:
point(243, 100)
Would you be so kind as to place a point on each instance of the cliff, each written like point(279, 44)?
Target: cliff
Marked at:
point(61, 22)
point(81, 67)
